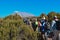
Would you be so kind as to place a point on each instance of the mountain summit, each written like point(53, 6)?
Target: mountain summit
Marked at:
point(24, 14)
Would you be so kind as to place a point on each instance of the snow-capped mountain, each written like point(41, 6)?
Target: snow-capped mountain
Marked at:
point(23, 14)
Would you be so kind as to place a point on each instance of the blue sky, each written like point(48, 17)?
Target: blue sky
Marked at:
point(35, 7)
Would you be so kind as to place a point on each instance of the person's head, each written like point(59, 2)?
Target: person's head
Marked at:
point(55, 18)
point(43, 18)
point(30, 19)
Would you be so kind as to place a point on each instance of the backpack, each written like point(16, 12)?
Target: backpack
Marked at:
point(58, 25)
point(43, 26)
point(47, 26)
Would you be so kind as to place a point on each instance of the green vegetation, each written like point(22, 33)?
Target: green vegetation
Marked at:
point(13, 28)
point(50, 16)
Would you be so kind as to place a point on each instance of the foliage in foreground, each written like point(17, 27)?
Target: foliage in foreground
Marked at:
point(15, 29)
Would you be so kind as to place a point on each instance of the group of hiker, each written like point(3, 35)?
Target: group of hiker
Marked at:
point(47, 29)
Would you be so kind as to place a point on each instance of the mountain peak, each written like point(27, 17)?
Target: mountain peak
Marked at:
point(23, 14)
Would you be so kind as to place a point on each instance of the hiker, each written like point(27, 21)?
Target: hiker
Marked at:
point(47, 29)
point(36, 24)
point(30, 22)
point(43, 27)
point(39, 26)
point(55, 28)
point(25, 20)
point(33, 26)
